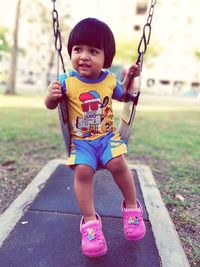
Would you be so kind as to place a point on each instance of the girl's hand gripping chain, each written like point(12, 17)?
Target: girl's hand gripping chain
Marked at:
point(133, 72)
point(54, 94)
point(54, 90)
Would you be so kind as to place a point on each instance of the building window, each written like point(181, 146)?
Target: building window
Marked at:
point(141, 7)
point(136, 27)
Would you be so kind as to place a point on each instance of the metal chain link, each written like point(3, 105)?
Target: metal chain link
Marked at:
point(144, 41)
point(142, 48)
point(57, 35)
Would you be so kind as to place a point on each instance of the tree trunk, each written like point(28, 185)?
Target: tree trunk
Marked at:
point(13, 67)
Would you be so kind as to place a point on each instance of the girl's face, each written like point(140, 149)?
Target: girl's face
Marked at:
point(87, 60)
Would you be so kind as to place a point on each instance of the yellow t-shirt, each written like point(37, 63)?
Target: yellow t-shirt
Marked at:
point(90, 103)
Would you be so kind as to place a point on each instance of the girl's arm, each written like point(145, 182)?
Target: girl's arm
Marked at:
point(133, 71)
point(54, 95)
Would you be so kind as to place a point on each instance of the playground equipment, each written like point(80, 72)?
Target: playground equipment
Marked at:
point(129, 109)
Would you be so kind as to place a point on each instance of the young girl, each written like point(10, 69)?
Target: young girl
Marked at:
point(95, 140)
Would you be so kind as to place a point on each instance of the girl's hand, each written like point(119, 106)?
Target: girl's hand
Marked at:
point(54, 90)
point(134, 70)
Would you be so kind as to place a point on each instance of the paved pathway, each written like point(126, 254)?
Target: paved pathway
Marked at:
point(41, 228)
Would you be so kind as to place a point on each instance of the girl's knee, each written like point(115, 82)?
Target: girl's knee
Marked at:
point(83, 172)
point(117, 165)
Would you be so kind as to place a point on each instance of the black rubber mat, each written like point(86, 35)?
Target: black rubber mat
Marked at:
point(48, 233)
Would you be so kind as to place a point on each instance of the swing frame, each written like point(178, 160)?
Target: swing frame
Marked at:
point(129, 110)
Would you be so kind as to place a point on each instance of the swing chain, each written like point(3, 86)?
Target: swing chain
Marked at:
point(57, 35)
point(142, 48)
point(144, 41)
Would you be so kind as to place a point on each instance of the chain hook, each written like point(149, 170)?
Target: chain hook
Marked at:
point(57, 35)
point(143, 43)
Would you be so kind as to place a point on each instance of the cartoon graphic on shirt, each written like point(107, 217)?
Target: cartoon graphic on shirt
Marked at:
point(92, 107)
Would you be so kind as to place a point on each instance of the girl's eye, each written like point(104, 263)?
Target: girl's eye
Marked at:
point(93, 51)
point(76, 49)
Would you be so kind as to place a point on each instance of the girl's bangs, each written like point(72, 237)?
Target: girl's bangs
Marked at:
point(88, 37)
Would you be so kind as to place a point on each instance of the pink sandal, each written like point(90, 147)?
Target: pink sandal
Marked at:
point(134, 227)
point(93, 241)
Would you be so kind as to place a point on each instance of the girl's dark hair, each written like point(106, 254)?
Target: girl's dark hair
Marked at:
point(93, 32)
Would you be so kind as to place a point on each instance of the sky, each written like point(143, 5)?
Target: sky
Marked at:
point(7, 12)
point(79, 9)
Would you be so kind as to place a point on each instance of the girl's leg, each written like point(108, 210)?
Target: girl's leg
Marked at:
point(134, 226)
point(124, 179)
point(83, 186)
point(93, 241)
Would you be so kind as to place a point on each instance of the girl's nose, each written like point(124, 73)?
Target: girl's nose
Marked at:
point(84, 56)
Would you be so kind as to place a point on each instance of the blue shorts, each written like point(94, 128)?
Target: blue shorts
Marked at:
point(96, 152)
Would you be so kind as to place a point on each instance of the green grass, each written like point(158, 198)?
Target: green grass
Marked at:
point(28, 130)
point(172, 138)
point(167, 140)
point(167, 135)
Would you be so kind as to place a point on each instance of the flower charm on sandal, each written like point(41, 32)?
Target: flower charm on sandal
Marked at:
point(91, 233)
point(133, 220)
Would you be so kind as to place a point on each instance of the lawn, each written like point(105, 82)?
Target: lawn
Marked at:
point(165, 137)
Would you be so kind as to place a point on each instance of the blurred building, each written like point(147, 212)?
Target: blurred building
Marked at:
point(175, 28)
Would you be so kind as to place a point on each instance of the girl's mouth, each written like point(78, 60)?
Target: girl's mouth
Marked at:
point(84, 66)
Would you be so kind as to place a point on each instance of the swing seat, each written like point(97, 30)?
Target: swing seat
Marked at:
point(64, 123)
point(127, 118)
point(124, 128)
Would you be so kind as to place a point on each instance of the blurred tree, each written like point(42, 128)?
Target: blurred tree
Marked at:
point(4, 45)
point(39, 17)
point(197, 54)
point(4, 53)
point(127, 51)
point(14, 52)
point(43, 18)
